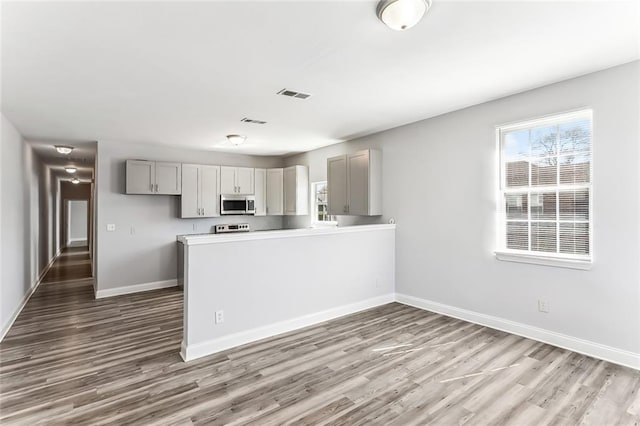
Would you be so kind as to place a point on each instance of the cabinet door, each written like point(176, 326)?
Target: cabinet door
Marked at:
point(337, 185)
point(358, 179)
point(261, 192)
point(275, 190)
point(209, 196)
point(290, 191)
point(245, 180)
point(190, 191)
point(140, 177)
point(168, 178)
point(228, 180)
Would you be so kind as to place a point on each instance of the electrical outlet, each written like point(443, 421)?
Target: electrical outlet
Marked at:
point(543, 306)
point(111, 227)
point(219, 317)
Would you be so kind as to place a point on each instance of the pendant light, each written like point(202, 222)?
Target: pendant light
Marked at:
point(401, 15)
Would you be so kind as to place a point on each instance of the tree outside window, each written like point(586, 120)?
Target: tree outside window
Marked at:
point(320, 206)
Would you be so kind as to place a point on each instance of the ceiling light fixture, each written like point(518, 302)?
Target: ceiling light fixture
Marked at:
point(71, 169)
point(75, 181)
point(236, 139)
point(63, 149)
point(401, 15)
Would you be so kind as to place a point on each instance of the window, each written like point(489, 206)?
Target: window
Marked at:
point(319, 207)
point(545, 197)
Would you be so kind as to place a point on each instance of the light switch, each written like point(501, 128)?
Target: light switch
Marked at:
point(111, 227)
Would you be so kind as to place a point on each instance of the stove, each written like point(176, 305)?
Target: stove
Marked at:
point(236, 227)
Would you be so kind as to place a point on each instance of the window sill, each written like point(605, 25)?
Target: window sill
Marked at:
point(584, 265)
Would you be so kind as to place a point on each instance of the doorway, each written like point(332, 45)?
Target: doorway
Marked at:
point(77, 213)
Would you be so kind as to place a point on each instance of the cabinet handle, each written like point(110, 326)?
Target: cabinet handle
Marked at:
point(151, 187)
point(203, 211)
point(156, 187)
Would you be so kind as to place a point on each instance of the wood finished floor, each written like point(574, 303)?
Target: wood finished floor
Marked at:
point(70, 359)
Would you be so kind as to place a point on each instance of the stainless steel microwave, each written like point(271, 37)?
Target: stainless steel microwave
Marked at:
point(237, 204)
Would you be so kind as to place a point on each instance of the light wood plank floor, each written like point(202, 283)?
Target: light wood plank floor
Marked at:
point(70, 359)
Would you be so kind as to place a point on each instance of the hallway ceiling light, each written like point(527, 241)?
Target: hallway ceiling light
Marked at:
point(71, 169)
point(401, 15)
point(75, 181)
point(236, 139)
point(63, 149)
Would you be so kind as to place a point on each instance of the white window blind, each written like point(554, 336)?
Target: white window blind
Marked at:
point(545, 198)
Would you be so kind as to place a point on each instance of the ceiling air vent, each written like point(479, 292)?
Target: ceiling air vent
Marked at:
point(294, 94)
point(251, 120)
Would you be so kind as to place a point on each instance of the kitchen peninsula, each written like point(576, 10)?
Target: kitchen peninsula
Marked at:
point(239, 288)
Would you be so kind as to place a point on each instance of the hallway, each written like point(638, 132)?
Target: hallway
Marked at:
point(66, 350)
point(73, 263)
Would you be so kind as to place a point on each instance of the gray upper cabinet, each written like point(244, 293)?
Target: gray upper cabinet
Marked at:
point(337, 185)
point(153, 177)
point(237, 180)
point(200, 190)
point(355, 183)
point(275, 192)
point(261, 192)
point(296, 190)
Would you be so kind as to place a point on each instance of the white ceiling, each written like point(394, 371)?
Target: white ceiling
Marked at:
point(184, 74)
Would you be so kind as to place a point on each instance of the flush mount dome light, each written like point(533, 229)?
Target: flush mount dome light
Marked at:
point(63, 149)
point(71, 169)
point(75, 181)
point(236, 139)
point(401, 15)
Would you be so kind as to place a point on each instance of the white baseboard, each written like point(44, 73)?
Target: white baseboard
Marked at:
point(136, 288)
point(198, 350)
point(586, 347)
point(7, 326)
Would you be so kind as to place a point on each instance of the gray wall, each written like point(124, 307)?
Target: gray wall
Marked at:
point(78, 224)
point(149, 253)
point(440, 185)
point(21, 221)
point(48, 190)
point(14, 254)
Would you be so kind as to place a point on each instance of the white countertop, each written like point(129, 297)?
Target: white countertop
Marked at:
point(279, 233)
